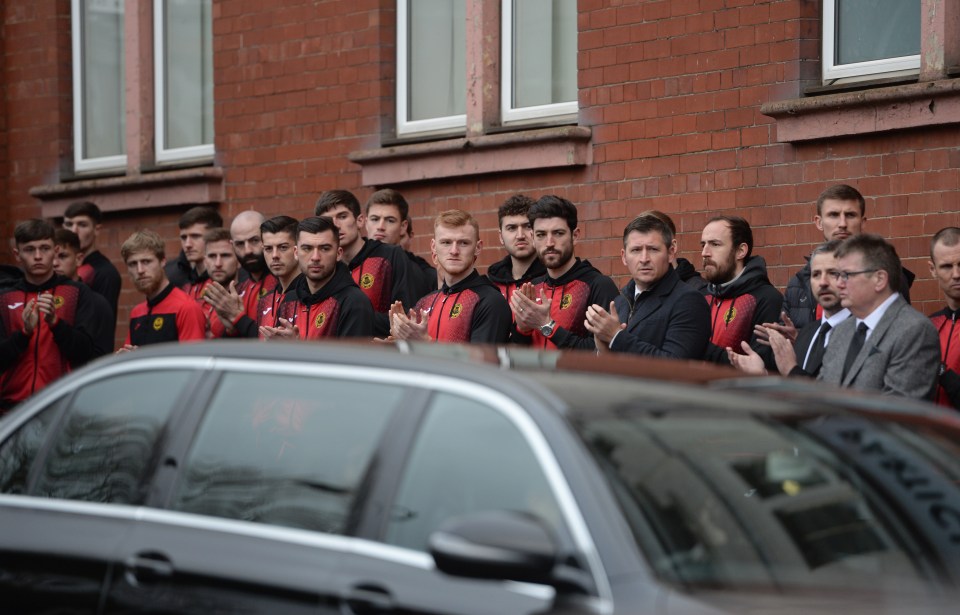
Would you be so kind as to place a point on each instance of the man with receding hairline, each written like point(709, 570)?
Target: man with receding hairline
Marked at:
point(945, 268)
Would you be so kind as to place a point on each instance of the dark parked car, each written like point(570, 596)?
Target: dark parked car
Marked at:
point(330, 478)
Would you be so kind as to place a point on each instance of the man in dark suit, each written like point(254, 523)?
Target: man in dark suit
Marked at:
point(888, 346)
point(656, 314)
point(804, 355)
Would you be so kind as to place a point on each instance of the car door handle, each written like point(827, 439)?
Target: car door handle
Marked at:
point(369, 599)
point(147, 567)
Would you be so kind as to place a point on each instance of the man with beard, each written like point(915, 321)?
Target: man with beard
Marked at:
point(467, 308)
point(945, 268)
point(738, 291)
point(656, 314)
point(841, 213)
point(521, 264)
point(186, 271)
point(381, 270)
point(279, 240)
point(49, 326)
point(84, 218)
point(550, 312)
point(221, 264)
point(168, 314)
point(324, 301)
point(803, 357)
point(886, 345)
point(388, 220)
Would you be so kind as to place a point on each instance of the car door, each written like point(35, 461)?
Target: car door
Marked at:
point(468, 456)
point(71, 475)
point(265, 487)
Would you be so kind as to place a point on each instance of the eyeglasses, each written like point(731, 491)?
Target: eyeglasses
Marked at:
point(845, 275)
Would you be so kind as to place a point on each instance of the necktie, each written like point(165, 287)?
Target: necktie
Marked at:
point(815, 358)
point(856, 344)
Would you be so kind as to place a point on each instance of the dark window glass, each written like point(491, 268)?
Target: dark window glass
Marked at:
point(106, 441)
point(877, 29)
point(20, 450)
point(468, 457)
point(285, 450)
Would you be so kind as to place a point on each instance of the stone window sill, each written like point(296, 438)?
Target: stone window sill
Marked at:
point(931, 103)
point(542, 148)
point(193, 186)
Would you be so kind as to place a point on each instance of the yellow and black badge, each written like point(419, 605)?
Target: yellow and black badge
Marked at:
point(366, 281)
point(58, 302)
point(263, 292)
point(158, 323)
point(455, 312)
point(565, 301)
point(729, 316)
point(319, 320)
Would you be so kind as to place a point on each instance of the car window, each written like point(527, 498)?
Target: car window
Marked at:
point(285, 450)
point(20, 450)
point(107, 438)
point(467, 457)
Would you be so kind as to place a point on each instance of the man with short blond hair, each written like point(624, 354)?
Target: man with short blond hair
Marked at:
point(467, 308)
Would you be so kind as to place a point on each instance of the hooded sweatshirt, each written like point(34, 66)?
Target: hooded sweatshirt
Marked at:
point(948, 391)
point(338, 309)
point(501, 274)
point(737, 306)
point(382, 271)
point(472, 310)
point(571, 294)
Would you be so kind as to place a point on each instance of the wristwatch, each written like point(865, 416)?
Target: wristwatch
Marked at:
point(547, 329)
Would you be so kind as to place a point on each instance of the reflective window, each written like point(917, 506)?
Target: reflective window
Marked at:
point(285, 450)
point(108, 438)
point(467, 458)
point(19, 451)
point(870, 37)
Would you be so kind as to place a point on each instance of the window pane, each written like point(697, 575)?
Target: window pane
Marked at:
point(467, 458)
point(102, 78)
point(187, 73)
point(108, 437)
point(544, 52)
point(18, 453)
point(285, 450)
point(877, 29)
point(437, 65)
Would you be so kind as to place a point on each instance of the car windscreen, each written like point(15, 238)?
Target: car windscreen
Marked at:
point(721, 499)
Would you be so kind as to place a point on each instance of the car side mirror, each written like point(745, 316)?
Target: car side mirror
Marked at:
point(503, 545)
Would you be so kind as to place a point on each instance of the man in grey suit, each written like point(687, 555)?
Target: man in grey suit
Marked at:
point(887, 346)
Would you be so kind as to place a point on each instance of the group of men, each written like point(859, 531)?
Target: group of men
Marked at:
point(345, 272)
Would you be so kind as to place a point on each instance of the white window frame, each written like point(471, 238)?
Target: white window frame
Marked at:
point(873, 68)
point(405, 126)
point(508, 113)
point(164, 154)
point(81, 164)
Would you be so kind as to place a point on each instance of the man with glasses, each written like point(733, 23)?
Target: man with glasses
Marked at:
point(887, 346)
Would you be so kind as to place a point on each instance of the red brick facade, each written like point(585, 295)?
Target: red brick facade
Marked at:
point(694, 107)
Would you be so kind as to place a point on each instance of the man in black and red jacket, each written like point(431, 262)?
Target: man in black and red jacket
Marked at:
point(467, 308)
point(324, 301)
point(381, 270)
point(521, 264)
point(96, 271)
point(47, 322)
point(738, 291)
point(550, 312)
point(945, 268)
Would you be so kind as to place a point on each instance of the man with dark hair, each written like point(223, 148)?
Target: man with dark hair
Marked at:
point(521, 264)
point(324, 301)
point(803, 356)
point(841, 213)
point(187, 272)
point(467, 308)
point(221, 264)
point(67, 260)
point(685, 269)
point(550, 311)
point(382, 271)
point(168, 314)
point(48, 325)
point(888, 346)
point(656, 314)
point(387, 220)
point(738, 291)
point(945, 269)
point(84, 218)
